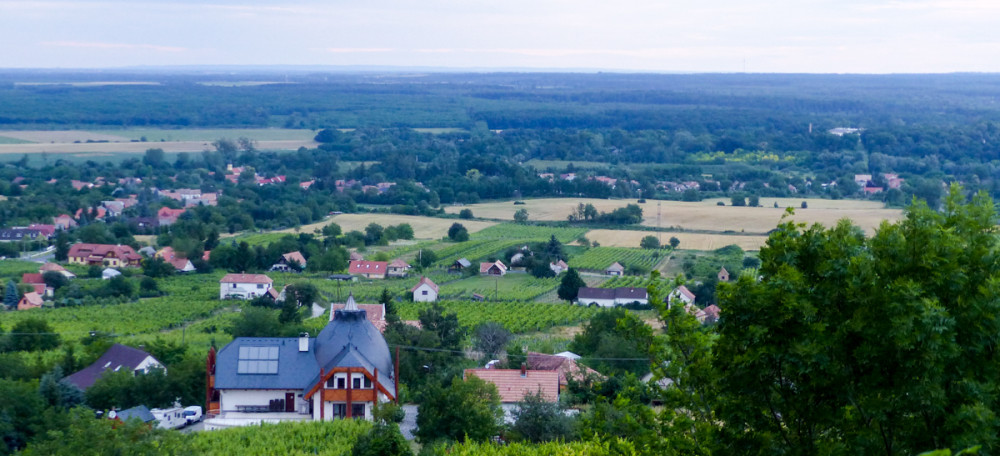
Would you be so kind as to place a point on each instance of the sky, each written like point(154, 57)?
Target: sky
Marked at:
point(780, 36)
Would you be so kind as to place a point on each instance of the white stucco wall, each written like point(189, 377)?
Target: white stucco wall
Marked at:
point(244, 290)
point(229, 399)
point(418, 295)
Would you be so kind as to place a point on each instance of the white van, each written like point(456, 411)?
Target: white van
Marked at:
point(193, 414)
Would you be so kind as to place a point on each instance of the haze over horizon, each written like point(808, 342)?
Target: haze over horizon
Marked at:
point(850, 36)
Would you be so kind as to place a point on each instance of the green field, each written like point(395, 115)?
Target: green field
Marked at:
point(517, 317)
point(599, 258)
point(528, 233)
point(210, 134)
point(511, 287)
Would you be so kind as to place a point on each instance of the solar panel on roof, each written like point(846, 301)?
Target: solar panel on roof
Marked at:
point(258, 360)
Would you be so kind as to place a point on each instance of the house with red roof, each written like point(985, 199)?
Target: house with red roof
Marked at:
point(425, 291)
point(286, 262)
point(368, 269)
point(31, 300)
point(567, 368)
point(244, 286)
point(167, 216)
point(64, 222)
point(514, 384)
point(177, 260)
point(103, 255)
point(681, 293)
point(37, 283)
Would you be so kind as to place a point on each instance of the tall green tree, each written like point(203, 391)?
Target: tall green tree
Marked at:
point(467, 409)
point(62, 246)
point(570, 285)
point(10, 295)
point(880, 345)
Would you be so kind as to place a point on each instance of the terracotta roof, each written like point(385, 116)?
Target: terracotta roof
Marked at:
point(367, 267)
point(513, 387)
point(485, 267)
point(712, 312)
point(685, 292)
point(374, 312)
point(397, 263)
point(246, 278)
point(422, 281)
point(100, 251)
point(295, 256)
point(566, 367)
point(51, 267)
point(355, 256)
point(31, 300)
point(32, 277)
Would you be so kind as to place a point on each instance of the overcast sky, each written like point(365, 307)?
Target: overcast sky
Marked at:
point(813, 36)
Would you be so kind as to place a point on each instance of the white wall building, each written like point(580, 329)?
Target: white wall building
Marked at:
point(244, 286)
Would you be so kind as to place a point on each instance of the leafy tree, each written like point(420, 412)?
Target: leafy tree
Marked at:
point(81, 434)
point(386, 299)
point(521, 215)
point(538, 420)
point(649, 242)
point(383, 439)
point(301, 294)
point(20, 414)
point(334, 259)
point(54, 279)
point(620, 339)
point(426, 258)
point(868, 344)
point(490, 338)
point(157, 267)
point(119, 286)
point(57, 393)
point(468, 409)
point(465, 214)
point(255, 322)
point(674, 242)
point(738, 200)
point(754, 201)
point(332, 230)
point(33, 334)
point(570, 285)
point(458, 233)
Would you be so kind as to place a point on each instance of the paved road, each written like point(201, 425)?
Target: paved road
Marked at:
point(409, 423)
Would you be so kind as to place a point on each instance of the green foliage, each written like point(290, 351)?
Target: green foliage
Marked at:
point(82, 435)
point(616, 446)
point(458, 233)
point(256, 322)
point(517, 317)
point(32, 334)
point(490, 338)
point(649, 242)
point(291, 438)
point(599, 258)
point(157, 267)
point(124, 389)
point(465, 214)
point(538, 420)
point(384, 439)
point(10, 295)
point(467, 409)
point(620, 338)
point(875, 345)
point(521, 215)
point(569, 286)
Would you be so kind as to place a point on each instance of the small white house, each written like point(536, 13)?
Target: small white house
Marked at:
point(425, 291)
point(244, 286)
point(109, 273)
point(681, 293)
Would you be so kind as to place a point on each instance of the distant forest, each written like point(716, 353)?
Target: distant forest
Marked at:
point(768, 130)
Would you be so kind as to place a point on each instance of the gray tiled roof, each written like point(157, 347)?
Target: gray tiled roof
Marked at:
point(140, 412)
point(350, 340)
point(116, 358)
point(294, 367)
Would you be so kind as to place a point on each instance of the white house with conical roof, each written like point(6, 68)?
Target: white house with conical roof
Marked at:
point(342, 373)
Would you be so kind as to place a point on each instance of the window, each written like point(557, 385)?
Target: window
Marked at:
point(357, 410)
point(258, 360)
point(368, 383)
point(356, 384)
point(260, 286)
point(234, 285)
point(339, 410)
point(341, 383)
point(424, 292)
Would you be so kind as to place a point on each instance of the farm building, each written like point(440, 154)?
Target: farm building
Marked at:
point(52, 267)
point(30, 300)
point(496, 268)
point(723, 275)
point(616, 269)
point(459, 265)
point(342, 373)
point(245, 286)
point(682, 294)
point(611, 297)
point(558, 267)
point(425, 291)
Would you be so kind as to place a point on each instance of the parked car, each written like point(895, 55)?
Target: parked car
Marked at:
point(193, 414)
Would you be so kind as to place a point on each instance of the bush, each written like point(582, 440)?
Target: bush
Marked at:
point(465, 214)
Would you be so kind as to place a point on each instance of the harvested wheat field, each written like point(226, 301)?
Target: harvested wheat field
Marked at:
point(423, 227)
point(689, 241)
point(703, 215)
point(135, 147)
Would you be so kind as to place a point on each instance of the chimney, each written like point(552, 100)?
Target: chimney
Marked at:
point(304, 342)
point(524, 370)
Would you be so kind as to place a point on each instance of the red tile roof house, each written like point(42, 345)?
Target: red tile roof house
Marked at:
point(31, 300)
point(368, 269)
point(514, 384)
point(495, 269)
point(167, 216)
point(284, 263)
point(425, 291)
point(103, 254)
point(177, 260)
point(244, 286)
point(64, 222)
point(398, 268)
point(37, 282)
point(566, 367)
point(681, 293)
